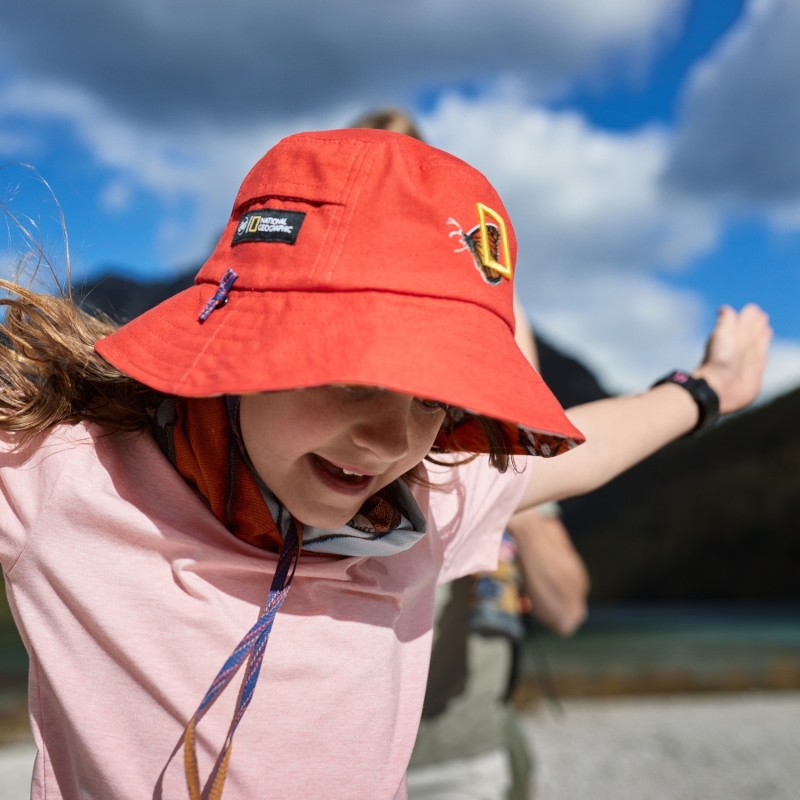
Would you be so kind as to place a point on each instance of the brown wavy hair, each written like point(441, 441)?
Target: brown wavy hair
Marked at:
point(389, 119)
point(51, 374)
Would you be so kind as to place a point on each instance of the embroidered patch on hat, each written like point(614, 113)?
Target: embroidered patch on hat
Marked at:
point(485, 242)
point(269, 225)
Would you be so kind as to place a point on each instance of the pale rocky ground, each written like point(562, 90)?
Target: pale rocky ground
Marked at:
point(723, 747)
point(16, 762)
point(712, 747)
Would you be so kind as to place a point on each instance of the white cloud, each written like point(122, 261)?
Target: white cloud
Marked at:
point(267, 59)
point(595, 219)
point(597, 224)
point(629, 328)
point(633, 329)
point(785, 217)
point(740, 117)
point(179, 99)
point(11, 143)
point(193, 172)
point(582, 199)
point(783, 369)
point(116, 196)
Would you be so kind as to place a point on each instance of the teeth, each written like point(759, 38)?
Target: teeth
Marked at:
point(347, 472)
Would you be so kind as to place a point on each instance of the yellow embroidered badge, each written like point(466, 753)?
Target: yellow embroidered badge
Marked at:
point(485, 242)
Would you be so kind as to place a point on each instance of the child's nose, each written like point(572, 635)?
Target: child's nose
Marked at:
point(385, 431)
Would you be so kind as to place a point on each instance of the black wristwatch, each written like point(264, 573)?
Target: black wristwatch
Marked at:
point(706, 398)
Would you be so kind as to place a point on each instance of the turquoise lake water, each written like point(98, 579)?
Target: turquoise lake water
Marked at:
point(694, 647)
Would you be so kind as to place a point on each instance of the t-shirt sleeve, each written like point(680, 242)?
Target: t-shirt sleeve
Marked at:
point(27, 478)
point(470, 508)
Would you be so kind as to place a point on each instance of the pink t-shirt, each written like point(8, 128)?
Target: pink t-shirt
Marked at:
point(130, 595)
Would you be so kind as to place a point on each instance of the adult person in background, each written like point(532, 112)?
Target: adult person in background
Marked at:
point(470, 743)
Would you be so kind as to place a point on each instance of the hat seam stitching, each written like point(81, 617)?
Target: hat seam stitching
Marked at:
point(207, 344)
point(335, 260)
point(342, 205)
point(333, 257)
point(172, 343)
point(169, 321)
point(252, 292)
point(282, 195)
point(441, 156)
point(144, 369)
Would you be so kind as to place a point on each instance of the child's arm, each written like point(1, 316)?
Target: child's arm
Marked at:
point(622, 431)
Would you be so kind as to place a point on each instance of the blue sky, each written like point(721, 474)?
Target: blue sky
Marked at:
point(645, 148)
point(626, 105)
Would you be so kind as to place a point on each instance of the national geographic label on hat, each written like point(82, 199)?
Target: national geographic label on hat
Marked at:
point(269, 225)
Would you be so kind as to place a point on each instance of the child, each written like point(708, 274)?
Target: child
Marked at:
point(158, 482)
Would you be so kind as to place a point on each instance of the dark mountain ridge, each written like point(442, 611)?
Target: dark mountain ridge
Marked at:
point(715, 518)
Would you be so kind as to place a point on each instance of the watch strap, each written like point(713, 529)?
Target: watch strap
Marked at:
point(706, 398)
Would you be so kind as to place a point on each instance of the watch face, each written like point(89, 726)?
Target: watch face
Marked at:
point(702, 394)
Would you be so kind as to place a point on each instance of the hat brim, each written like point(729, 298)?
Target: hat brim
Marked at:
point(455, 352)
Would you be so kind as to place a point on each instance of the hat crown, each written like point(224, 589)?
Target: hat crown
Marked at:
point(367, 210)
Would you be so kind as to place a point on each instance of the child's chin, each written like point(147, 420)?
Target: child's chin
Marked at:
point(327, 519)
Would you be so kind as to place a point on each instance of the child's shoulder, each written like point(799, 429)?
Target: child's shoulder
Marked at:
point(30, 469)
point(56, 444)
point(460, 490)
point(455, 473)
point(468, 506)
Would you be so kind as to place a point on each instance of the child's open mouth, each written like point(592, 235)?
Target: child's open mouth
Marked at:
point(339, 478)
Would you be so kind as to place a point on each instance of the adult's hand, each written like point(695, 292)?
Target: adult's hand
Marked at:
point(556, 579)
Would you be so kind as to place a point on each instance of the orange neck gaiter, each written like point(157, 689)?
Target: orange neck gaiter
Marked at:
point(210, 459)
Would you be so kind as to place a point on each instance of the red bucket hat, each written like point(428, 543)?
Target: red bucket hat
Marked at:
point(364, 257)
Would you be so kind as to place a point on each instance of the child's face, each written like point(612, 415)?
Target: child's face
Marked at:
point(304, 443)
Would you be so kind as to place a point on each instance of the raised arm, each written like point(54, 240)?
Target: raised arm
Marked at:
point(622, 431)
